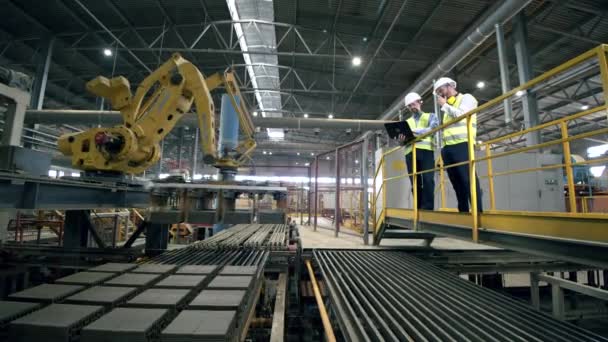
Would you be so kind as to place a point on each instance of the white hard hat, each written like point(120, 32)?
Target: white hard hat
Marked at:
point(443, 81)
point(411, 98)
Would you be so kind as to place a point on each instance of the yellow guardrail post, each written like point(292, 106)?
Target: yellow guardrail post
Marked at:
point(472, 178)
point(441, 180)
point(568, 163)
point(414, 185)
point(603, 62)
point(383, 189)
point(490, 177)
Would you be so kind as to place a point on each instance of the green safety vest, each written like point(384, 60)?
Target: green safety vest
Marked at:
point(423, 122)
point(457, 133)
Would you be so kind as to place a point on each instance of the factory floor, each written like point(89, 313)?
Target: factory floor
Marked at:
point(324, 238)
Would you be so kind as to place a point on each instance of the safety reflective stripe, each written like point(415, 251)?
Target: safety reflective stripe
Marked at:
point(423, 122)
point(457, 133)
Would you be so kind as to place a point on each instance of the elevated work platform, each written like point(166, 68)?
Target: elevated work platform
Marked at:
point(526, 180)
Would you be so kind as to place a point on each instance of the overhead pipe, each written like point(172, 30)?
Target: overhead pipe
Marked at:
point(479, 32)
point(108, 118)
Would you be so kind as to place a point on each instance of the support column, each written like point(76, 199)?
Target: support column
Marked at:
point(42, 73)
point(316, 197)
point(524, 69)
point(76, 232)
point(503, 64)
point(160, 161)
point(337, 210)
point(180, 146)
point(364, 185)
point(195, 153)
point(534, 290)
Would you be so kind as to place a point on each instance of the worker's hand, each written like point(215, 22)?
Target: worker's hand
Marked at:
point(417, 131)
point(401, 138)
point(441, 100)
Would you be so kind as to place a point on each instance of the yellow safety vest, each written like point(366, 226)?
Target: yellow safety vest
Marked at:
point(457, 133)
point(423, 122)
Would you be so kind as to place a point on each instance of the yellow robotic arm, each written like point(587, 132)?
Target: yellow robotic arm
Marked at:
point(159, 102)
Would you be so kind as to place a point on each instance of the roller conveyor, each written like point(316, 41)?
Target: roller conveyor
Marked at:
point(396, 297)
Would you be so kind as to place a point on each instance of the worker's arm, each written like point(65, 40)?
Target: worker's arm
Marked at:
point(467, 104)
point(433, 123)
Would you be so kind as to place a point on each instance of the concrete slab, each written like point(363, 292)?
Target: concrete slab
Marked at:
point(56, 322)
point(182, 281)
point(197, 269)
point(47, 293)
point(125, 324)
point(12, 310)
point(154, 268)
point(231, 282)
point(191, 325)
point(102, 295)
point(159, 298)
point(113, 267)
point(86, 278)
point(133, 279)
point(239, 270)
point(218, 300)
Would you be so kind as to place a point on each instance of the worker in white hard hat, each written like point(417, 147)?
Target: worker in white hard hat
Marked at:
point(421, 122)
point(455, 145)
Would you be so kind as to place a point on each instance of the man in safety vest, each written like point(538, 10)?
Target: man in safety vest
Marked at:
point(455, 146)
point(421, 123)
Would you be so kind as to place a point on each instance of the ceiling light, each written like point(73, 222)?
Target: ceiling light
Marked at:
point(107, 52)
point(356, 61)
point(330, 116)
point(328, 158)
point(356, 161)
point(312, 154)
point(481, 85)
point(298, 153)
point(297, 163)
point(364, 39)
point(306, 164)
point(324, 31)
point(264, 152)
point(255, 113)
point(520, 93)
point(270, 153)
point(584, 107)
point(305, 115)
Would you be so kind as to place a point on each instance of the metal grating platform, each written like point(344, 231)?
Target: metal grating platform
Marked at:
point(126, 324)
point(85, 278)
point(393, 296)
point(197, 269)
point(181, 281)
point(159, 298)
point(154, 268)
point(218, 300)
point(56, 322)
point(12, 310)
point(231, 282)
point(194, 325)
point(113, 267)
point(133, 279)
point(239, 270)
point(102, 295)
point(47, 293)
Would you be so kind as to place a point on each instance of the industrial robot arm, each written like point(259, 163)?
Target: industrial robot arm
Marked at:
point(160, 101)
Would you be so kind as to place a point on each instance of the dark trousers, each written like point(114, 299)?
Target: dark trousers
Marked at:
point(459, 175)
point(425, 160)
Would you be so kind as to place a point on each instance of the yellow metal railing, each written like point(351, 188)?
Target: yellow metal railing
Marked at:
point(599, 53)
